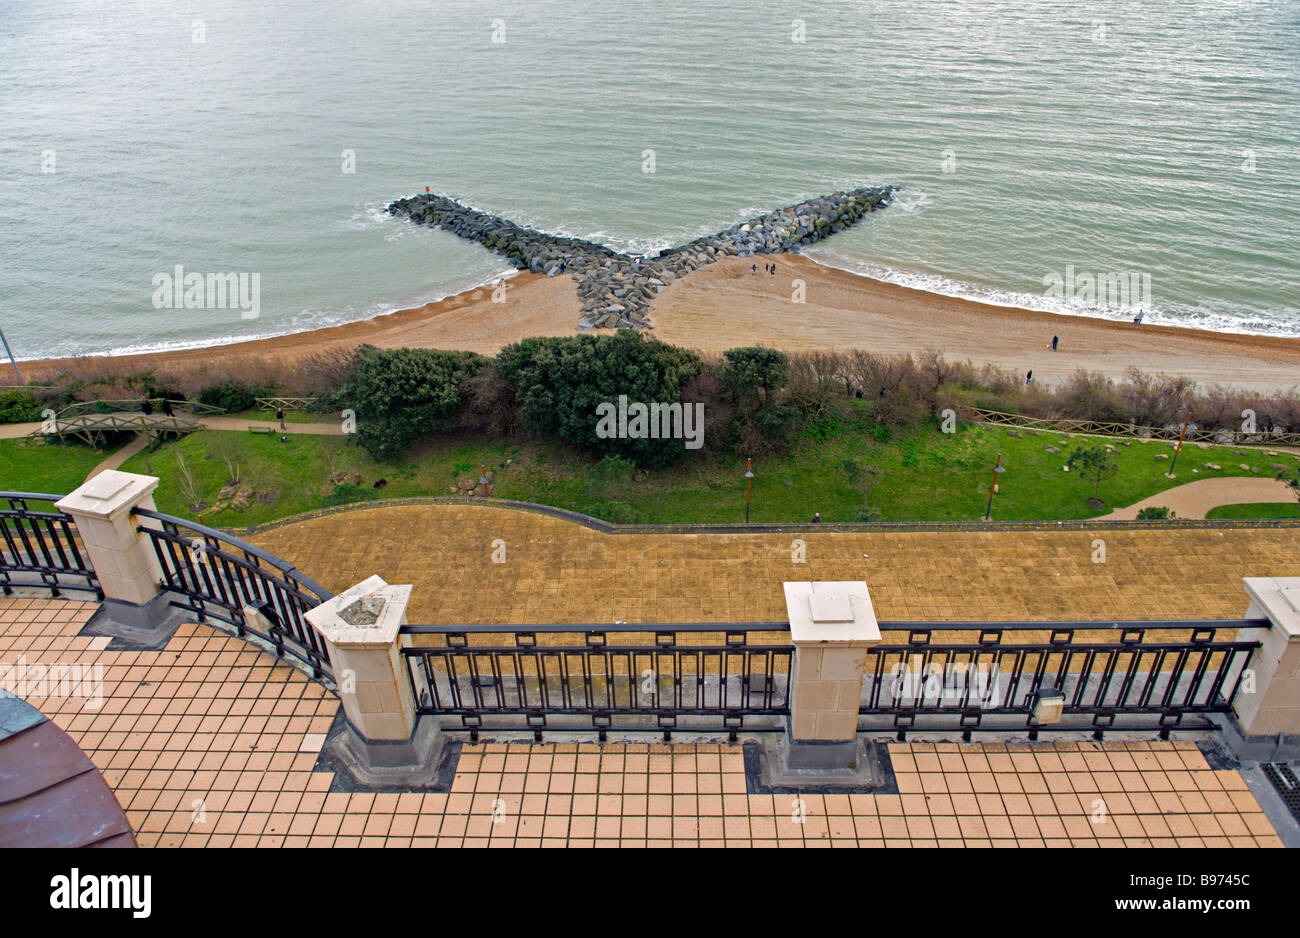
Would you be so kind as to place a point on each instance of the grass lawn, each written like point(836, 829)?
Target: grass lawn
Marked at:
point(1254, 510)
point(925, 476)
point(290, 416)
point(53, 468)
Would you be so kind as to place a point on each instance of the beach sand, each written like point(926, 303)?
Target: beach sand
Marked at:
point(726, 305)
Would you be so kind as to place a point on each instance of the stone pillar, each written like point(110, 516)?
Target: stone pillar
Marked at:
point(124, 558)
point(1274, 706)
point(384, 741)
point(831, 625)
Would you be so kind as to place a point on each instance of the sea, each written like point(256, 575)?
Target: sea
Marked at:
point(1040, 146)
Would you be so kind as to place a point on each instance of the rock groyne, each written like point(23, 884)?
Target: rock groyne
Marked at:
point(616, 288)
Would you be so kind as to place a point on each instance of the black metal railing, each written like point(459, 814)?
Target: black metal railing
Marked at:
point(40, 547)
point(924, 677)
point(992, 675)
point(220, 577)
point(701, 677)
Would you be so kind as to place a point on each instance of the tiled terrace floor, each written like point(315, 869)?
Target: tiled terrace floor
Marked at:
point(209, 742)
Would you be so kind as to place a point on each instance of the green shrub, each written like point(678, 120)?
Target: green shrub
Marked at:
point(1156, 513)
point(403, 394)
point(231, 396)
point(559, 384)
point(751, 376)
point(346, 493)
point(869, 513)
point(17, 406)
point(613, 512)
point(612, 471)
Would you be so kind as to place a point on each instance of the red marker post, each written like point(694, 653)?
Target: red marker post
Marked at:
point(997, 468)
point(749, 475)
point(1179, 448)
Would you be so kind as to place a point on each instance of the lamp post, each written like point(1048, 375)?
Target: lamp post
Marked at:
point(1179, 448)
point(483, 481)
point(997, 469)
point(749, 475)
point(10, 353)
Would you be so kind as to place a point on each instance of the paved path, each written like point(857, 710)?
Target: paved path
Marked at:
point(13, 431)
point(122, 455)
point(559, 571)
point(240, 423)
point(1195, 499)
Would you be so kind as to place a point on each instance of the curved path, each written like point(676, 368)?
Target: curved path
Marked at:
point(122, 455)
point(556, 570)
point(14, 431)
point(1195, 499)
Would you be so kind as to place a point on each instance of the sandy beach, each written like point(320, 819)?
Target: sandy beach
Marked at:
point(727, 305)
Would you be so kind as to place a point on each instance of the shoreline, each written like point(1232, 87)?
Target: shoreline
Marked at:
point(726, 304)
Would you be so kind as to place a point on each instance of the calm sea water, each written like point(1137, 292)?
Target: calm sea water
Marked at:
point(1031, 137)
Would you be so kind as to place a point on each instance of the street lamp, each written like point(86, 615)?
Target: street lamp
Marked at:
point(997, 470)
point(483, 481)
point(10, 353)
point(749, 475)
point(1179, 448)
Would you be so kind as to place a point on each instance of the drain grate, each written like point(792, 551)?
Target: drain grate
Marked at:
point(1284, 780)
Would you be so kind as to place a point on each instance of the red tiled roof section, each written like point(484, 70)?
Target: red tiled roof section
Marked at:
point(51, 794)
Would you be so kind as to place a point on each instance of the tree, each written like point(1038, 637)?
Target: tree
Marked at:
point(564, 384)
point(862, 477)
point(752, 375)
point(1292, 478)
point(401, 394)
point(1094, 463)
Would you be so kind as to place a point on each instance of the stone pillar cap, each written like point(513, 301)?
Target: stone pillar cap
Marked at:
point(327, 620)
point(1279, 597)
point(108, 493)
point(831, 613)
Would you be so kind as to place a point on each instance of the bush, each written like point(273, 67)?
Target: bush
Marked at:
point(752, 376)
point(869, 513)
point(1156, 513)
point(17, 406)
point(400, 395)
point(612, 472)
point(231, 396)
point(345, 493)
point(613, 512)
point(560, 383)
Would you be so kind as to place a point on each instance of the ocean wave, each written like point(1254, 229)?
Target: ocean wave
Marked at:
point(306, 320)
point(1202, 319)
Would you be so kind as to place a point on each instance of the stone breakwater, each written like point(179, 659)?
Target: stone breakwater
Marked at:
point(615, 288)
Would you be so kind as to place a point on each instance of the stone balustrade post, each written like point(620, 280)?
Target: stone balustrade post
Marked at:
point(385, 742)
point(832, 624)
point(1268, 704)
point(123, 556)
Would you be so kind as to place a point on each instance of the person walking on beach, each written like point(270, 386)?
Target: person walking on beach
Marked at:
point(754, 268)
point(146, 406)
point(279, 415)
point(1055, 339)
point(773, 270)
point(1029, 377)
